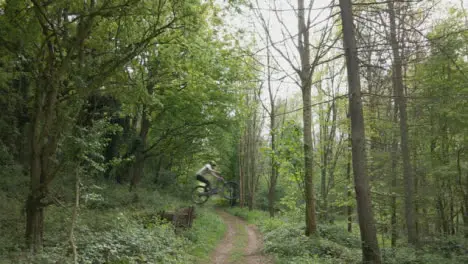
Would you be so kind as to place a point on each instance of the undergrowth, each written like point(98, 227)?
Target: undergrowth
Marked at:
point(284, 239)
point(113, 227)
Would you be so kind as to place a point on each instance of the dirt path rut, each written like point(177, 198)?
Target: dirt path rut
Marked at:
point(237, 232)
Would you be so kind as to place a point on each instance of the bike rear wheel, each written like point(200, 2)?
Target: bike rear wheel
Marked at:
point(231, 191)
point(200, 195)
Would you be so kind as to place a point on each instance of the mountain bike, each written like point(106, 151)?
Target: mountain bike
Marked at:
point(228, 189)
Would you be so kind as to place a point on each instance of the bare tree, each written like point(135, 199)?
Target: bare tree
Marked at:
point(304, 59)
point(272, 114)
point(401, 102)
point(370, 247)
point(248, 153)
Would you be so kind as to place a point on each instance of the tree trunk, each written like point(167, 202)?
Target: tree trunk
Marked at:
point(370, 246)
point(306, 75)
point(323, 171)
point(393, 171)
point(465, 213)
point(274, 170)
point(139, 165)
point(274, 167)
point(464, 192)
point(76, 208)
point(241, 173)
point(43, 141)
point(349, 208)
point(34, 223)
point(401, 102)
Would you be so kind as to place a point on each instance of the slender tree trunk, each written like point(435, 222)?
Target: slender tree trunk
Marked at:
point(465, 213)
point(370, 246)
point(306, 73)
point(246, 165)
point(34, 209)
point(139, 165)
point(274, 166)
point(401, 102)
point(452, 212)
point(43, 141)
point(137, 168)
point(274, 170)
point(323, 170)
point(393, 171)
point(241, 173)
point(76, 208)
point(251, 147)
point(464, 192)
point(348, 192)
point(332, 159)
point(443, 226)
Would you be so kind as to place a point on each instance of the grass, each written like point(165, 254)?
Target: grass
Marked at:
point(207, 231)
point(284, 239)
point(241, 241)
point(114, 226)
point(252, 217)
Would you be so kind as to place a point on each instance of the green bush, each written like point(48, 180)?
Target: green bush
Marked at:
point(338, 235)
point(407, 255)
point(271, 224)
point(332, 250)
point(253, 217)
point(130, 242)
point(297, 244)
point(300, 249)
point(12, 219)
point(449, 247)
point(125, 229)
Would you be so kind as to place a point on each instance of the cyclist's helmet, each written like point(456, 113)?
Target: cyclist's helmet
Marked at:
point(213, 163)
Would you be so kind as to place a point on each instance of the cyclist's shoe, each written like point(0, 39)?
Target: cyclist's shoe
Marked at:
point(213, 191)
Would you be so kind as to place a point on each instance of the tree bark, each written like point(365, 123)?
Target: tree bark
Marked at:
point(274, 166)
point(43, 141)
point(241, 173)
point(306, 86)
point(370, 246)
point(464, 193)
point(393, 171)
point(401, 102)
point(74, 217)
point(349, 208)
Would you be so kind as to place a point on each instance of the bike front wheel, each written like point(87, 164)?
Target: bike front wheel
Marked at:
point(200, 195)
point(231, 190)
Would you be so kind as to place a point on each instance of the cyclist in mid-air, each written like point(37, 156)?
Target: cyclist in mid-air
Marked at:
point(206, 170)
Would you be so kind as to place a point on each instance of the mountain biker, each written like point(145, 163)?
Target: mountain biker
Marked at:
point(208, 169)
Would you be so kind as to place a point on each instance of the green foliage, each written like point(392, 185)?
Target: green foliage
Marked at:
point(339, 235)
point(129, 242)
point(333, 244)
point(411, 256)
point(253, 217)
point(11, 224)
point(205, 234)
point(123, 241)
point(299, 245)
point(120, 227)
point(12, 178)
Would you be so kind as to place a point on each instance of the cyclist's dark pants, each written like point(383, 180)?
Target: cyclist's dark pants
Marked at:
point(204, 180)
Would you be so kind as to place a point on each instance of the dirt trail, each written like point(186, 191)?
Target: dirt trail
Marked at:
point(251, 252)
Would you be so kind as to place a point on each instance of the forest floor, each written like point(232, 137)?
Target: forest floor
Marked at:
point(242, 243)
